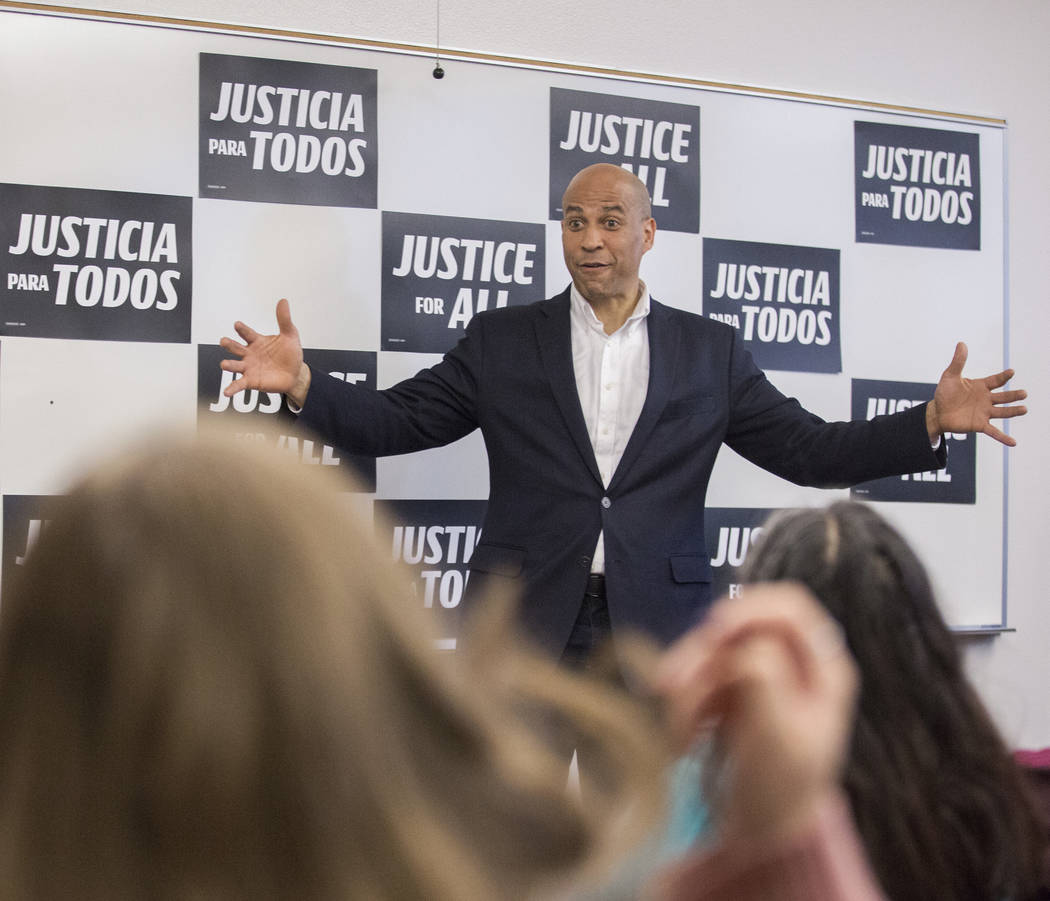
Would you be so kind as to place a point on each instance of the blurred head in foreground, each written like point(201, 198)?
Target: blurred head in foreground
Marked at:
point(213, 685)
point(937, 798)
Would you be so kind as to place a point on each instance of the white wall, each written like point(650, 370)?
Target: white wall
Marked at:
point(967, 56)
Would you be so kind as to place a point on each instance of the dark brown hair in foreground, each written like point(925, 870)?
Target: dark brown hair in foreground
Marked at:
point(939, 802)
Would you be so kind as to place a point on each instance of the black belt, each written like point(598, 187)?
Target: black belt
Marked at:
point(595, 586)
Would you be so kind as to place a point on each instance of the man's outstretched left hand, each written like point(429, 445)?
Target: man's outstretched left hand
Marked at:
point(969, 405)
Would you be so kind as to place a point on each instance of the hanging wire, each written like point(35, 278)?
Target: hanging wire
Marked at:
point(438, 71)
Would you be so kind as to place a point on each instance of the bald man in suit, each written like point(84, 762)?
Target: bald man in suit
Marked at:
point(602, 412)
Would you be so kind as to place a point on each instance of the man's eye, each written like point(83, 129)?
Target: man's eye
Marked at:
point(612, 223)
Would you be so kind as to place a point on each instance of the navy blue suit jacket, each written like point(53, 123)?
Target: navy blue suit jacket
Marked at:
point(511, 375)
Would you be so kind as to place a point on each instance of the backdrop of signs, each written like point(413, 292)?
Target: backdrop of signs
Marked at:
point(843, 291)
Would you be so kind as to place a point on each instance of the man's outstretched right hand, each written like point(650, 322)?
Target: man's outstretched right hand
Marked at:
point(268, 362)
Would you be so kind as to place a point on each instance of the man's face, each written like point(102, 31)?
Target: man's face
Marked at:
point(605, 230)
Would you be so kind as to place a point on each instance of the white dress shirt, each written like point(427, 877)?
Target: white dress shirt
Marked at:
point(612, 379)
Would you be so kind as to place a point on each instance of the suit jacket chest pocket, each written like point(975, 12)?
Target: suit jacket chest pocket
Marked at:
point(695, 404)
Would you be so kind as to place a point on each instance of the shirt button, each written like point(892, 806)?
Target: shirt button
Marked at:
point(606, 503)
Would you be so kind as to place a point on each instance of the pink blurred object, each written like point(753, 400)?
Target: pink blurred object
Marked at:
point(1034, 760)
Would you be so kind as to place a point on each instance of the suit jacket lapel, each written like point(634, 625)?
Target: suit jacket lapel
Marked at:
point(555, 345)
point(663, 360)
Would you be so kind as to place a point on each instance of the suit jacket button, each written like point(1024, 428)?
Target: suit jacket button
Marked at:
point(606, 503)
point(585, 560)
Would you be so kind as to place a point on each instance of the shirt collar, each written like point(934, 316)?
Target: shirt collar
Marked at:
point(584, 315)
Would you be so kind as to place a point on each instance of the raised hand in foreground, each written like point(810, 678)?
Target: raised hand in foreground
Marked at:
point(768, 676)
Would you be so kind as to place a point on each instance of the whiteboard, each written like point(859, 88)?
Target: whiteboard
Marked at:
point(115, 109)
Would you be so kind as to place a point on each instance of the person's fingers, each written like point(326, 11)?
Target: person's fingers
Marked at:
point(1008, 412)
point(764, 607)
point(781, 677)
point(955, 367)
point(679, 664)
point(284, 318)
point(791, 637)
point(1008, 397)
point(992, 432)
point(689, 672)
point(998, 379)
point(233, 365)
point(772, 602)
point(235, 387)
point(233, 347)
point(684, 678)
point(744, 670)
point(246, 332)
point(697, 675)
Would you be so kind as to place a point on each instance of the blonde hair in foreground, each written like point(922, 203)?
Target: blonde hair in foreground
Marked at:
point(213, 685)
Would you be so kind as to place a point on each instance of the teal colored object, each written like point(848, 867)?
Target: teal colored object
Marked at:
point(688, 823)
point(689, 818)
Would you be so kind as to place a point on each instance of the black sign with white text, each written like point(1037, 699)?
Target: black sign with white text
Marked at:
point(783, 300)
point(955, 484)
point(253, 413)
point(657, 141)
point(281, 131)
point(436, 539)
point(730, 532)
point(438, 271)
point(97, 265)
point(917, 186)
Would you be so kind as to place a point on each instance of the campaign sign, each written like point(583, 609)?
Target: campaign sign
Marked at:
point(252, 415)
point(730, 532)
point(25, 518)
point(657, 141)
point(435, 539)
point(783, 300)
point(97, 265)
point(957, 484)
point(280, 131)
point(438, 271)
point(917, 186)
